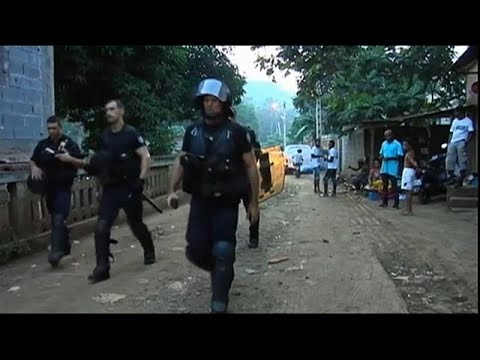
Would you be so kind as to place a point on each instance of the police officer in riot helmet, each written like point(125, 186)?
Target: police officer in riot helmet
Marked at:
point(215, 166)
point(54, 179)
point(254, 228)
point(124, 159)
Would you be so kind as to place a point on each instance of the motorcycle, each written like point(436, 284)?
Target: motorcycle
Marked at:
point(432, 179)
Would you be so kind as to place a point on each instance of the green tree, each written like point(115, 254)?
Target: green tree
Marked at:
point(370, 82)
point(247, 116)
point(156, 83)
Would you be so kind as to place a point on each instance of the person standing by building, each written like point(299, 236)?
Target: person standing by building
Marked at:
point(316, 163)
point(332, 166)
point(461, 132)
point(391, 153)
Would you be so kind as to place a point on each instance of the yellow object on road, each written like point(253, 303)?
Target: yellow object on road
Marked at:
point(271, 166)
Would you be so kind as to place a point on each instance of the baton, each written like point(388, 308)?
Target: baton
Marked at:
point(152, 203)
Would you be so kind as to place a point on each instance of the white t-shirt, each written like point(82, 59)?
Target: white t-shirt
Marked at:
point(332, 153)
point(460, 129)
point(316, 161)
point(297, 159)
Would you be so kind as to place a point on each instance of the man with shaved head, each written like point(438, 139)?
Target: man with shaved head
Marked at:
point(391, 153)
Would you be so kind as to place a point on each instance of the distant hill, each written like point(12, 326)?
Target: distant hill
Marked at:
point(257, 92)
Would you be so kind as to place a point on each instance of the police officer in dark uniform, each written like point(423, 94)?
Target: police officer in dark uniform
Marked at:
point(254, 228)
point(216, 165)
point(127, 161)
point(55, 180)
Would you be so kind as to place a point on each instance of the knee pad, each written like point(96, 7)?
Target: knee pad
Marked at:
point(224, 252)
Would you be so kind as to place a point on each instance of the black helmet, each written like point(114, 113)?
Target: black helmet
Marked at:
point(37, 186)
point(215, 88)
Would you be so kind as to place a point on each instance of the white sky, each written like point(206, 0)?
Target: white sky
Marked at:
point(245, 58)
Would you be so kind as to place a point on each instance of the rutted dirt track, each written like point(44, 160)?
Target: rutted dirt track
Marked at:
point(344, 255)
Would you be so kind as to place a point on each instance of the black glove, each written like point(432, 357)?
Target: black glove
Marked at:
point(137, 186)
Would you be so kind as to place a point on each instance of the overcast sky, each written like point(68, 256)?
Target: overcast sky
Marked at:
point(245, 58)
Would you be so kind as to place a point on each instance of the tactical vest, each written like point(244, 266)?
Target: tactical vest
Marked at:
point(211, 169)
point(125, 167)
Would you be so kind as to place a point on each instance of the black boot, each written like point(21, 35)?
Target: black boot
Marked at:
point(149, 256)
point(252, 242)
point(59, 239)
point(102, 249)
point(218, 307)
point(222, 275)
point(102, 270)
point(144, 236)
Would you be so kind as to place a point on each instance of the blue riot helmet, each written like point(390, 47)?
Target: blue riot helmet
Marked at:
point(215, 88)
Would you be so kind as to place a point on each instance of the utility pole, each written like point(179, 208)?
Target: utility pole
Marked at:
point(318, 111)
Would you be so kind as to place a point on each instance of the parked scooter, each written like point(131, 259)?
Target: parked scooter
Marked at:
point(297, 162)
point(298, 170)
point(432, 179)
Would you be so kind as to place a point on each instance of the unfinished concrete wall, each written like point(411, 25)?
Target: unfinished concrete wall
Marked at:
point(26, 98)
point(352, 148)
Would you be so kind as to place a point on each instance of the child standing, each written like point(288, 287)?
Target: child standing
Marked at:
point(408, 175)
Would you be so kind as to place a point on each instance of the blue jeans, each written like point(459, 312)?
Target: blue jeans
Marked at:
point(316, 172)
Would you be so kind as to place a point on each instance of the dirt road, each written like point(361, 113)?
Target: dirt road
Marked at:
point(337, 262)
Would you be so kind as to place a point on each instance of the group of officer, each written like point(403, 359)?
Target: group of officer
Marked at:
point(217, 166)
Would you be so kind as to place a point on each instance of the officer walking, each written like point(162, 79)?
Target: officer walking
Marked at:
point(216, 165)
point(54, 179)
point(126, 160)
point(254, 228)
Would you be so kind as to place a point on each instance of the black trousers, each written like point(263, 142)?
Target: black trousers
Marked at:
point(386, 178)
point(113, 199)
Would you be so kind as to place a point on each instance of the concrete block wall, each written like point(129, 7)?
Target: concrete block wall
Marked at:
point(26, 98)
point(352, 148)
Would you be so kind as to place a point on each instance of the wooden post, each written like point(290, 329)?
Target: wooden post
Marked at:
point(5, 228)
point(20, 208)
